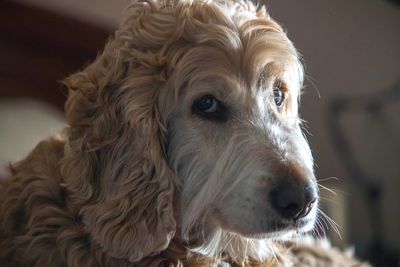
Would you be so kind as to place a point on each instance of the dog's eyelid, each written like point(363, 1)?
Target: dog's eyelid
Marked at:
point(281, 85)
point(214, 110)
point(270, 73)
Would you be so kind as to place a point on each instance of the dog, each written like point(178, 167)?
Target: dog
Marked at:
point(184, 148)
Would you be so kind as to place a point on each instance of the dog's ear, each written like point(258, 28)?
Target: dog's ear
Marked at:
point(115, 169)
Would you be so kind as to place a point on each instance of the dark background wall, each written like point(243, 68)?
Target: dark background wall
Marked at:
point(351, 51)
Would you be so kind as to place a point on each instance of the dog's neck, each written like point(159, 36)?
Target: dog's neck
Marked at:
point(177, 255)
point(236, 248)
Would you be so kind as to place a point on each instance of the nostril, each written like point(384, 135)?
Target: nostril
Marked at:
point(292, 206)
point(291, 210)
point(307, 209)
point(292, 200)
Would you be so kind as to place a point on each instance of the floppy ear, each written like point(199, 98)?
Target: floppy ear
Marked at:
point(115, 169)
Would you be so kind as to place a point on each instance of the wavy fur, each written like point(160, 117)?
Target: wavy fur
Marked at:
point(135, 180)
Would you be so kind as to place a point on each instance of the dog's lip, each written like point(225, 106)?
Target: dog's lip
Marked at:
point(277, 227)
point(282, 228)
point(296, 225)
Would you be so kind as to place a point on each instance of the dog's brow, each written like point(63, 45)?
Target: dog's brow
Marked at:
point(267, 73)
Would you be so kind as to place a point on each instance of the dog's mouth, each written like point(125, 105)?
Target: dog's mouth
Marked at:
point(302, 225)
point(277, 228)
point(281, 230)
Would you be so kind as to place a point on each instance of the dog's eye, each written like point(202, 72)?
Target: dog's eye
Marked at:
point(279, 96)
point(208, 107)
point(207, 104)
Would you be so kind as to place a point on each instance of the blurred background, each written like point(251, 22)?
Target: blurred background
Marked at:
point(351, 50)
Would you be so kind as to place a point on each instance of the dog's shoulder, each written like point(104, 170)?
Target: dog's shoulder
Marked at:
point(31, 203)
point(42, 161)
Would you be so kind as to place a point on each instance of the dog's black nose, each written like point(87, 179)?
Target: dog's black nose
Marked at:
point(293, 200)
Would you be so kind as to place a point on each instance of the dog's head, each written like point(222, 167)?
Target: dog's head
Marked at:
point(189, 118)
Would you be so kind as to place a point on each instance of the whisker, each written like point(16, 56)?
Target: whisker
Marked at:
point(316, 234)
point(327, 189)
point(305, 127)
point(321, 228)
point(332, 223)
point(328, 200)
point(313, 84)
point(328, 179)
point(315, 230)
point(331, 220)
point(343, 192)
point(323, 223)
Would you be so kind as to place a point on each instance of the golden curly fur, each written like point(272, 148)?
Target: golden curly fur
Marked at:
point(121, 185)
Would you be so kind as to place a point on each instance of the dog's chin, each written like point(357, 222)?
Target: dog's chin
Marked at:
point(278, 229)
